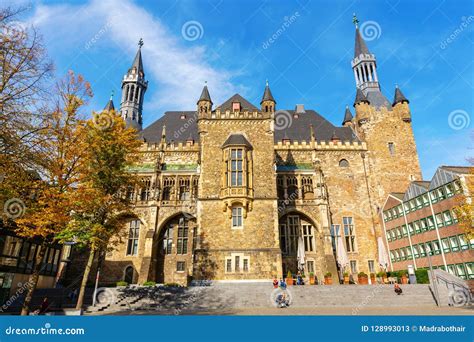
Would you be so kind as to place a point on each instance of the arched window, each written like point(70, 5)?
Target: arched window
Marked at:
point(343, 163)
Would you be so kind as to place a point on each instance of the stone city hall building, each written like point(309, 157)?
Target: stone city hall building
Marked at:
point(226, 191)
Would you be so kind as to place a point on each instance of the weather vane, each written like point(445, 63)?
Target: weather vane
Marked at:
point(140, 42)
point(355, 21)
point(112, 94)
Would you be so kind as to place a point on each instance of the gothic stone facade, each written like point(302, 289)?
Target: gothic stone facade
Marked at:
point(237, 192)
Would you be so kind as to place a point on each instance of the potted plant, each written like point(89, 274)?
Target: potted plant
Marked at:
point(289, 278)
point(404, 277)
point(383, 276)
point(121, 284)
point(362, 278)
point(328, 278)
point(311, 278)
point(346, 277)
point(372, 278)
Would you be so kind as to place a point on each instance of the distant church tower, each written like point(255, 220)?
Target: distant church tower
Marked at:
point(134, 87)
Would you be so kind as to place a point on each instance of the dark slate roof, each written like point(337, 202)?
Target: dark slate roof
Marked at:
point(377, 99)
point(360, 97)
point(109, 106)
point(360, 46)
point(299, 128)
point(347, 116)
point(137, 62)
point(267, 95)
point(237, 140)
point(244, 104)
point(180, 126)
point(399, 97)
point(205, 95)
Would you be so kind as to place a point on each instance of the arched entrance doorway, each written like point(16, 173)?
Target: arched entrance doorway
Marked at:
point(128, 275)
point(298, 242)
point(175, 245)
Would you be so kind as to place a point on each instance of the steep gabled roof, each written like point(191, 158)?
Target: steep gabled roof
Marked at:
point(137, 62)
point(267, 95)
point(180, 126)
point(347, 116)
point(244, 104)
point(109, 106)
point(360, 97)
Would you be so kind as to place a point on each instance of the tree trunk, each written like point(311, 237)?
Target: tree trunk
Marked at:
point(85, 278)
point(33, 279)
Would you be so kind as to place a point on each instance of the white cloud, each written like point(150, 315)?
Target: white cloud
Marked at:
point(176, 66)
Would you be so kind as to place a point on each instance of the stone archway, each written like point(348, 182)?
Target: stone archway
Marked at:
point(174, 246)
point(295, 224)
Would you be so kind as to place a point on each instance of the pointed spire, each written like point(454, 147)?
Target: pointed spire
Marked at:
point(205, 94)
point(399, 97)
point(110, 105)
point(347, 116)
point(360, 46)
point(267, 94)
point(360, 97)
point(137, 62)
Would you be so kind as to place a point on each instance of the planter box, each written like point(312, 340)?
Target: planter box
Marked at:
point(328, 280)
point(363, 280)
point(311, 280)
point(346, 279)
point(289, 281)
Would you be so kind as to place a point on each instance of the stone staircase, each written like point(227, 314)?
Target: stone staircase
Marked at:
point(221, 297)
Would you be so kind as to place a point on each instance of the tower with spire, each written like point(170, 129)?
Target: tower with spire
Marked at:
point(134, 87)
point(268, 103)
point(364, 64)
point(204, 104)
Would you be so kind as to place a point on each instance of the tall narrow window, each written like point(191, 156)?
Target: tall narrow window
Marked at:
point(182, 243)
point(184, 189)
point(237, 264)
point(133, 233)
point(168, 240)
point(391, 148)
point(237, 221)
point(145, 189)
point(349, 234)
point(308, 237)
point(353, 266)
point(371, 266)
point(246, 265)
point(236, 170)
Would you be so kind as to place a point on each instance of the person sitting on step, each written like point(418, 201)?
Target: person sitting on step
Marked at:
point(397, 289)
point(275, 283)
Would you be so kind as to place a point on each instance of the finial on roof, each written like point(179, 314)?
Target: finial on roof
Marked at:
point(140, 43)
point(355, 21)
point(266, 82)
point(111, 95)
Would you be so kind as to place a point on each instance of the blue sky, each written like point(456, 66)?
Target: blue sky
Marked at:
point(425, 46)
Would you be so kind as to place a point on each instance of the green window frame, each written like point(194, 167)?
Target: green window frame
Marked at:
point(436, 247)
point(418, 226)
point(464, 245)
point(470, 269)
point(416, 251)
point(426, 200)
point(388, 235)
point(433, 196)
point(454, 243)
point(445, 245)
point(448, 219)
point(408, 253)
point(411, 229)
point(430, 222)
point(450, 190)
point(461, 271)
point(404, 231)
point(422, 250)
point(419, 202)
point(439, 220)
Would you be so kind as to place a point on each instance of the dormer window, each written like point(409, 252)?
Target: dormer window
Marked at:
point(183, 116)
point(236, 107)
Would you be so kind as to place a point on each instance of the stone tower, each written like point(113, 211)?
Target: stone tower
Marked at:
point(204, 104)
point(268, 103)
point(134, 87)
point(392, 158)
